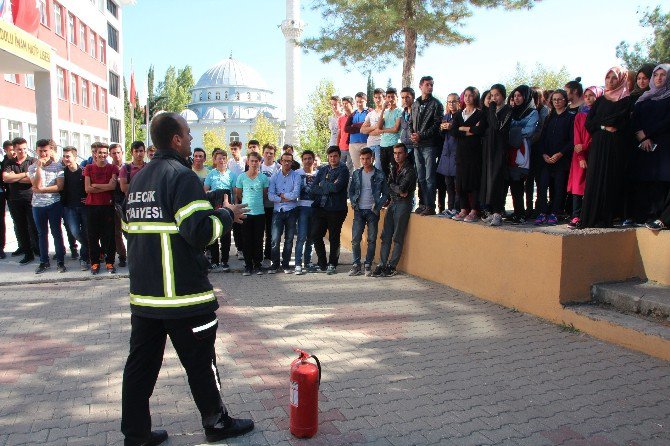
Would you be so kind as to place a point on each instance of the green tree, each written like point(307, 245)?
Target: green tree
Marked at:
point(313, 120)
point(541, 76)
point(214, 137)
point(392, 30)
point(652, 50)
point(173, 93)
point(371, 91)
point(265, 131)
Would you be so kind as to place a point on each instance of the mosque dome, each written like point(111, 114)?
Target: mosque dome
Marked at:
point(231, 73)
point(189, 115)
point(212, 114)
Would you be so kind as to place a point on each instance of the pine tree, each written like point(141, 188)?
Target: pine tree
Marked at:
point(371, 91)
point(392, 30)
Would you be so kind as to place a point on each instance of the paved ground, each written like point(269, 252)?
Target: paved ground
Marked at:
point(406, 362)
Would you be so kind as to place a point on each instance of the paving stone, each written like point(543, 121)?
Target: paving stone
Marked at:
point(405, 361)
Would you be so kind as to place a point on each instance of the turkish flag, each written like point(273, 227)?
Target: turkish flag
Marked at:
point(26, 15)
point(133, 93)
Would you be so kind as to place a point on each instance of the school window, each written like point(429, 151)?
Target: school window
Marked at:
point(44, 17)
point(94, 97)
point(71, 35)
point(32, 135)
point(91, 43)
point(103, 101)
point(112, 8)
point(76, 140)
point(101, 55)
point(63, 138)
point(58, 19)
point(30, 81)
point(115, 129)
point(73, 88)
point(84, 93)
point(234, 136)
point(82, 36)
point(114, 84)
point(13, 78)
point(14, 129)
point(61, 84)
point(112, 37)
point(86, 143)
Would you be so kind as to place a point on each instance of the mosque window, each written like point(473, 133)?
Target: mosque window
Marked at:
point(209, 95)
point(248, 96)
point(237, 96)
point(225, 94)
point(234, 136)
point(218, 95)
point(225, 116)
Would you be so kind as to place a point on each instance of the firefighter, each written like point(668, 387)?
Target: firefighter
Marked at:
point(169, 223)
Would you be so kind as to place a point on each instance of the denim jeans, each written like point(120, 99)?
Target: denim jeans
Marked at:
point(49, 217)
point(76, 221)
point(378, 157)
point(425, 170)
point(362, 218)
point(303, 247)
point(395, 227)
point(283, 223)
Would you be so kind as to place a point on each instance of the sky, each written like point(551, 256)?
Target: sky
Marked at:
point(581, 35)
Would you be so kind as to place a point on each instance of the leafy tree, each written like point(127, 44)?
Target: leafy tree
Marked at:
point(173, 93)
point(541, 76)
point(652, 50)
point(370, 91)
point(265, 131)
point(313, 120)
point(213, 138)
point(390, 30)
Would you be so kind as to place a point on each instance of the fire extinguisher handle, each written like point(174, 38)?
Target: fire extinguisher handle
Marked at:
point(318, 364)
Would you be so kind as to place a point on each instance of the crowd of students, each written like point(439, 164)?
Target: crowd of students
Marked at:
point(591, 157)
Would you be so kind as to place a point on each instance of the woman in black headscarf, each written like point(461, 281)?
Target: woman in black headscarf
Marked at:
point(495, 129)
point(642, 80)
point(524, 124)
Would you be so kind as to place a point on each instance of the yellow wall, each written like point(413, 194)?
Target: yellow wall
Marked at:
point(535, 271)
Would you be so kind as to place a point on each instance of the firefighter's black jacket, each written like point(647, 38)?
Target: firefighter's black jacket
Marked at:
point(169, 223)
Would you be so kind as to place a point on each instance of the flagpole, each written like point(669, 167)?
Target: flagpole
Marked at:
point(132, 100)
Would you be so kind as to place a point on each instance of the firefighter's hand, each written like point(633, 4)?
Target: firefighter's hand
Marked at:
point(239, 210)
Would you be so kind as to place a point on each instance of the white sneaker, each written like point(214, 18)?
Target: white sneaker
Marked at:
point(496, 220)
point(288, 271)
point(298, 271)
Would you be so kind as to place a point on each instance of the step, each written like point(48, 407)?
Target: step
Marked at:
point(646, 298)
point(641, 325)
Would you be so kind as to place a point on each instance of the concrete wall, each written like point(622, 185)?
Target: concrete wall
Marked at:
point(535, 271)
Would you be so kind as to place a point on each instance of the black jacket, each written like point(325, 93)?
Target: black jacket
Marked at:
point(169, 223)
point(402, 181)
point(426, 118)
point(329, 190)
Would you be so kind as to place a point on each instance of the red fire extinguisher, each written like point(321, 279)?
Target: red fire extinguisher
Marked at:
point(304, 395)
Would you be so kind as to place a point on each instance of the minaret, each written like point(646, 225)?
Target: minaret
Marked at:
point(292, 28)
